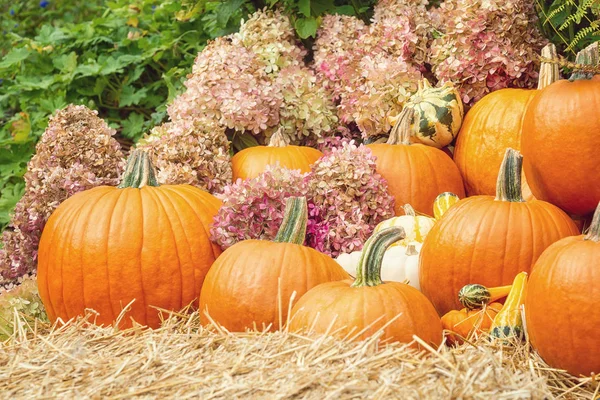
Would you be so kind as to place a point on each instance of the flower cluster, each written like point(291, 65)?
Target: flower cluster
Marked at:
point(256, 81)
point(76, 152)
point(190, 153)
point(346, 200)
point(253, 209)
point(485, 45)
point(351, 198)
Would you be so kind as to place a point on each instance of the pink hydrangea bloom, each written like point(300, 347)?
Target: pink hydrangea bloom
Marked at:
point(76, 152)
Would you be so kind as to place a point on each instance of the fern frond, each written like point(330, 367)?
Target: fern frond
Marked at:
point(557, 10)
point(580, 13)
point(583, 33)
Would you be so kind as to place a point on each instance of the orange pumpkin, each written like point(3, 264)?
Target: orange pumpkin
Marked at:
point(358, 309)
point(251, 283)
point(467, 324)
point(560, 142)
point(562, 303)
point(416, 173)
point(104, 247)
point(488, 240)
point(252, 161)
point(491, 126)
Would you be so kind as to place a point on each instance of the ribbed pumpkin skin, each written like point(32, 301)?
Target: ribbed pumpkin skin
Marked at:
point(242, 286)
point(489, 128)
point(251, 162)
point(561, 306)
point(358, 307)
point(562, 123)
point(104, 247)
point(486, 241)
point(416, 174)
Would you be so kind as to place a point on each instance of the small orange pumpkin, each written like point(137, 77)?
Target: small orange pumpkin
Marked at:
point(252, 161)
point(359, 309)
point(104, 247)
point(467, 324)
point(562, 303)
point(416, 173)
point(252, 282)
point(488, 240)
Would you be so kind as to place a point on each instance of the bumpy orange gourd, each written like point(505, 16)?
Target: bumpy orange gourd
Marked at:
point(491, 126)
point(252, 161)
point(561, 138)
point(357, 310)
point(488, 240)
point(416, 174)
point(466, 323)
point(106, 246)
point(562, 303)
point(251, 284)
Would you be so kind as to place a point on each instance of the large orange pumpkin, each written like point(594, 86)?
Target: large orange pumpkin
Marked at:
point(252, 282)
point(252, 161)
point(491, 126)
point(561, 138)
point(416, 173)
point(562, 303)
point(104, 247)
point(359, 309)
point(488, 240)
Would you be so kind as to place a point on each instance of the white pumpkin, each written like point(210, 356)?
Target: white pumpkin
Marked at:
point(400, 263)
point(416, 227)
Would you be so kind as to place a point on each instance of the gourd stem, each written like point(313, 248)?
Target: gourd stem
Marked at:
point(277, 140)
point(593, 232)
point(590, 57)
point(549, 71)
point(508, 185)
point(402, 130)
point(409, 210)
point(139, 171)
point(368, 271)
point(293, 226)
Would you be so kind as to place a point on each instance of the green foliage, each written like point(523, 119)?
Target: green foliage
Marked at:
point(570, 24)
point(126, 59)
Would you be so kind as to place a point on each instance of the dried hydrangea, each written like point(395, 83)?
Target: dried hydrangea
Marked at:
point(351, 198)
point(485, 45)
point(253, 209)
point(228, 87)
point(23, 300)
point(188, 152)
point(75, 153)
point(307, 109)
point(271, 36)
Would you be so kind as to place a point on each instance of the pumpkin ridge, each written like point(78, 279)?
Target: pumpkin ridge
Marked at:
point(141, 202)
point(158, 195)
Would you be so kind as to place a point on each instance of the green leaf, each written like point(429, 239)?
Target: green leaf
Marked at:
point(9, 196)
point(345, 10)
point(66, 62)
point(243, 141)
point(226, 10)
point(304, 7)
point(320, 7)
point(13, 57)
point(133, 126)
point(306, 27)
point(131, 96)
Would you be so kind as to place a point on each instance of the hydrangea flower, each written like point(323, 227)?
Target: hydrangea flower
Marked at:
point(189, 152)
point(253, 208)
point(76, 152)
point(485, 45)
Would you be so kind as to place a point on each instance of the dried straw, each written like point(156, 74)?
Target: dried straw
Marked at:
point(185, 360)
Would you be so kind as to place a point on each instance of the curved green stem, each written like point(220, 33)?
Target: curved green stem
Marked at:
point(400, 133)
point(139, 171)
point(508, 185)
point(593, 232)
point(293, 226)
point(368, 271)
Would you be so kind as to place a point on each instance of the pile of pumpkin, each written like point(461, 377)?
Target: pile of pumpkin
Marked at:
point(135, 249)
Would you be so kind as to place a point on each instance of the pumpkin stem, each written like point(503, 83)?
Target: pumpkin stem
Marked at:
point(293, 226)
point(588, 57)
point(277, 140)
point(368, 271)
point(593, 232)
point(411, 250)
point(402, 130)
point(139, 171)
point(549, 71)
point(508, 185)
